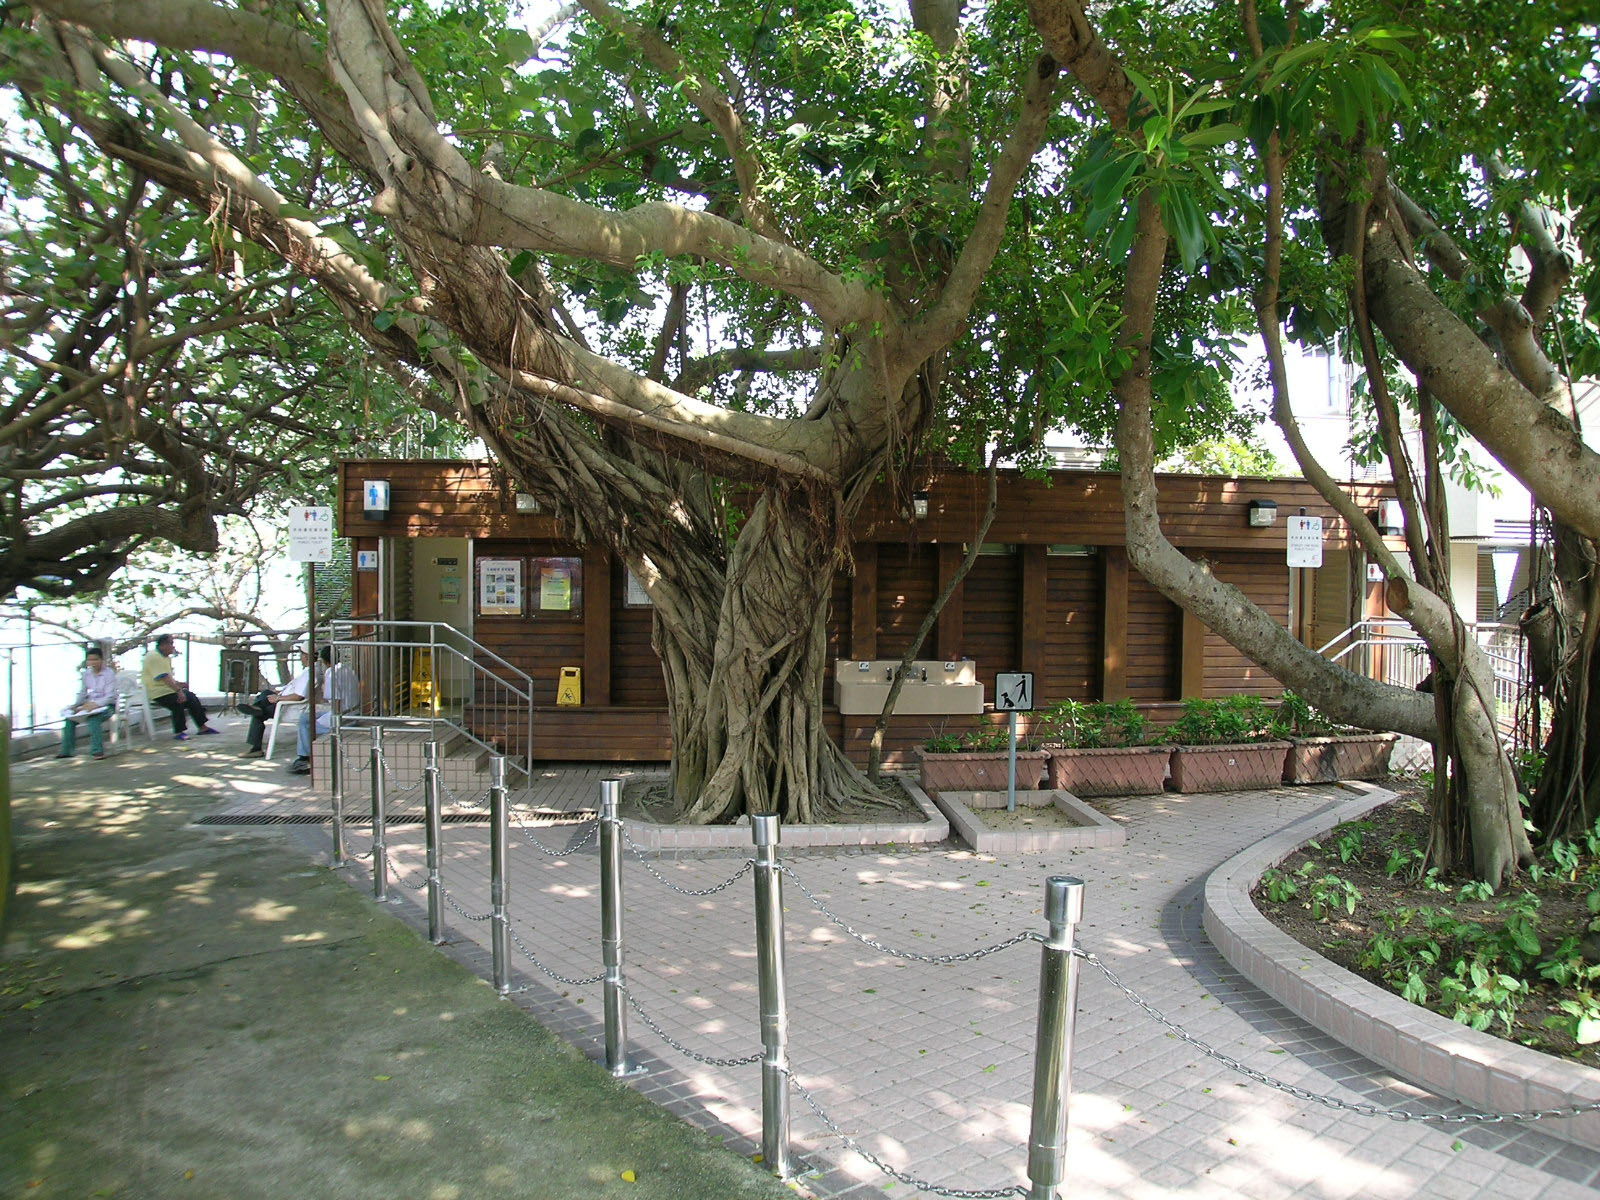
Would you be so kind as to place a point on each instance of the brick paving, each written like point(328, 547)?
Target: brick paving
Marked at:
point(929, 1066)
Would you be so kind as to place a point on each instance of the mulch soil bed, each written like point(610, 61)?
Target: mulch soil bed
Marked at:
point(1398, 833)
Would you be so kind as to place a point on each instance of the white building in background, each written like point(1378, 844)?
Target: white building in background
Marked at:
point(1491, 531)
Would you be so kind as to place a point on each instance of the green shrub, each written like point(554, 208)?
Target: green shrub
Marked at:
point(1223, 722)
point(1075, 725)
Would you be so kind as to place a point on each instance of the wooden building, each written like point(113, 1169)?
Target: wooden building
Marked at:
point(1051, 593)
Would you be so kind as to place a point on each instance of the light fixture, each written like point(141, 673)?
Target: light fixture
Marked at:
point(1262, 513)
point(1391, 518)
point(375, 499)
point(527, 503)
point(919, 504)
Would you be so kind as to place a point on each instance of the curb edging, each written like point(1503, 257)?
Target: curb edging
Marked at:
point(1433, 1052)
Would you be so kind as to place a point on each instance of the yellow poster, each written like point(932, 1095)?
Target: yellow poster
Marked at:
point(555, 591)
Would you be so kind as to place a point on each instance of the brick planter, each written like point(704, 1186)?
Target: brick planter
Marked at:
point(979, 772)
point(1228, 768)
point(1113, 771)
point(1340, 756)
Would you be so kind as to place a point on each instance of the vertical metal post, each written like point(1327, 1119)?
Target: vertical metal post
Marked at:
point(611, 928)
point(336, 766)
point(774, 1003)
point(380, 817)
point(499, 885)
point(431, 800)
point(1011, 769)
point(1052, 1054)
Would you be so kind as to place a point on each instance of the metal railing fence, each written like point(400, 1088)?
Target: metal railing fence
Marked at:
point(427, 674)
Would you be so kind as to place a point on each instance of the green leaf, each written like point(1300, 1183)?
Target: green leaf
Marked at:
point(383, 320)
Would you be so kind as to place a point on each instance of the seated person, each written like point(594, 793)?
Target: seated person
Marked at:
point(341, 691)
point(97, 700)
point(172, 693)
point(266, 703)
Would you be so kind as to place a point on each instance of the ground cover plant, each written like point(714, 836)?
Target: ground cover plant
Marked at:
point(1523, 963)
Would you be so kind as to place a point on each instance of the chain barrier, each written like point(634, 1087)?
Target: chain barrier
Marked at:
point(394, 788)
point(394, 873)
point(451, 901)
point(727, 883)
point(912, 1181)
point(534, 959)
point(1015, 939)
point(571, 849)
point(747, 1060)
point(447, 794)
point(1299, 1093)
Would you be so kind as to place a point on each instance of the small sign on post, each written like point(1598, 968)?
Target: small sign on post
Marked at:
point(311, 541)
point(1305, 541)
point(1013, 693)
point(311, 534)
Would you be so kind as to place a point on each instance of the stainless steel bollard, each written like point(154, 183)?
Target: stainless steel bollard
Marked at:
point(611, 928)
point(380, 817)
point(432, 806)
point(336, 771)
point(774, 1003)
point(499, 884)
point(1052, 1055)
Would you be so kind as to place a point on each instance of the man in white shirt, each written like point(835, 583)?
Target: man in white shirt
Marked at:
point(266, 702)
point(97, 700)
point(341, 691)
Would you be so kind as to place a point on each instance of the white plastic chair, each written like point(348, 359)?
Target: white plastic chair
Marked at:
point(281, 713)
point(133, 706)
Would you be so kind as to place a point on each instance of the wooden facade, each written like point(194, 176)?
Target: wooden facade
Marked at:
point(1052, 593)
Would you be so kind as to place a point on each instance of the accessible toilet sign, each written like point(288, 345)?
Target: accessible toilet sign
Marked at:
point(1305, 541)
point(311, 534)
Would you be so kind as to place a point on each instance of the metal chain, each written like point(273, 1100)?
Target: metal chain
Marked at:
point(1015, 939)
point(450, 795)
point(415, 887)
point(683, 891)
point(533, 958)
point(666, 1037)
point(451, 901)
point(921, 1185)
point(394, 787)
point(1299, 1093)
point(571, 849)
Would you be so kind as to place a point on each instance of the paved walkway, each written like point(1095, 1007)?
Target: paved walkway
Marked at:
point(929, 1066)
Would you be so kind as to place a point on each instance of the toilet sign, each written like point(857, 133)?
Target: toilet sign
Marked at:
point(311, 534)
point(1305, 541)
point(1014, 692)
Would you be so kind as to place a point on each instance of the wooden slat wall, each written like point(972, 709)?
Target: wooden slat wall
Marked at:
point(989, 627)
point(635, 669)
point(1265, 579)
point(541, 646)
point(1153, 638)
point(1072, 631)
point(906, 578)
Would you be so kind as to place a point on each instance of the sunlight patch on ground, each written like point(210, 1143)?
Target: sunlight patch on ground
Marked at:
point(269, 910)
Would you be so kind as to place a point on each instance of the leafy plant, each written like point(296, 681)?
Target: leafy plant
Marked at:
point(1229, 720)
point(1075, 725)
point(1297, 717)
point(983, 738)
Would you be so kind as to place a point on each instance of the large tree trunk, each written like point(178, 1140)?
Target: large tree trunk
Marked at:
point(745, 659)
point(1562, 635)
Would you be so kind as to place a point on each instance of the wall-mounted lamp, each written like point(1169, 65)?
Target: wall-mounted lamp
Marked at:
point(375, 499)
point(527, 503)
point(1262, 513)
point(919, 504)
point(1391, 518)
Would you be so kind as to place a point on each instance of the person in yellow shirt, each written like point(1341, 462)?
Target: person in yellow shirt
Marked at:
point(171, 693)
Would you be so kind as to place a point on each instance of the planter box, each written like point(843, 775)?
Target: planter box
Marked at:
point(1113, 771)
point(1340, 756)
point(979, 772)
point(1234, 768)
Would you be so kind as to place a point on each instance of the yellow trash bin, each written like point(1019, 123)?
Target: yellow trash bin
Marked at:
point(569, 689)
point(424, 697)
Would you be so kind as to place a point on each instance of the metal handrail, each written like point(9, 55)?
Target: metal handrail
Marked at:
point(483, 682)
